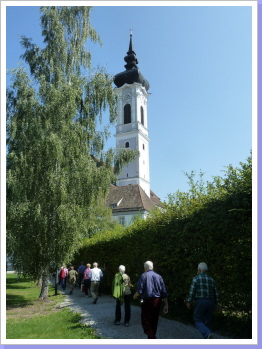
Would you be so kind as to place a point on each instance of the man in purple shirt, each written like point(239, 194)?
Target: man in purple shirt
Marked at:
point(152, 290)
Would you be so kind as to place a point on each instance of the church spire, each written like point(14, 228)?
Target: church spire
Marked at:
point(131, 59)
point(132, 73)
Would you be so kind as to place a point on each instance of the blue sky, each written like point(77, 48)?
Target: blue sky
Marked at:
point(198, 61)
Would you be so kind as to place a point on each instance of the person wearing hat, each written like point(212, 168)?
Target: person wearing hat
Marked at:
point(203, 292)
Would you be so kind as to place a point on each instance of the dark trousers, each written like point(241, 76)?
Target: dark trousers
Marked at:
point(87, 283)
point(80, 279)
point(203, 311)
point(127, 299)
point(150, 309)
point(63, 283)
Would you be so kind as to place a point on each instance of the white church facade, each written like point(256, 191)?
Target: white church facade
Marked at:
point(132, 196)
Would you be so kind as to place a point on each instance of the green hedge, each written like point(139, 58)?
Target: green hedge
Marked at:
point(221, 238)
point(218, 232)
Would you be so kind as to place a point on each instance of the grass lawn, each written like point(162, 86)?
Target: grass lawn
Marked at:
point(28, 318)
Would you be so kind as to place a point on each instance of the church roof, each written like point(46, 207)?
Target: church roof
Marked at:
point(131, 198)
point(132, 73)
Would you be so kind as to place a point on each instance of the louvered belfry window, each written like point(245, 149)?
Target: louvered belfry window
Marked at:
point(142, 115)
point(127, 114)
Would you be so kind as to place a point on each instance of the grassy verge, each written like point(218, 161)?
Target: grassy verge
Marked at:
point(28, 318)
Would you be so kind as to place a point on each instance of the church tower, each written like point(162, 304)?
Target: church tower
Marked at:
point(132, 196)
point(132, 123)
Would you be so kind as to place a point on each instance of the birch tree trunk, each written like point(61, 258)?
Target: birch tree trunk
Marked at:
point(39, 282)
point(44, 290)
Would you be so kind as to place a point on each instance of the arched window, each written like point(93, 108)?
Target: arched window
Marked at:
point(127, 145)
point(142, 115)
point(127, 114)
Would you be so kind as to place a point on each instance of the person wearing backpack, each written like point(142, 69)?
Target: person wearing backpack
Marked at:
point(62, 277)
point(122, 293)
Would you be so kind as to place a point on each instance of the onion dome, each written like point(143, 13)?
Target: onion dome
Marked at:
point(132, 73)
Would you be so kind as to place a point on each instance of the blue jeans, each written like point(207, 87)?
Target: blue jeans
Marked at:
point(63, 283)
point(203, 311)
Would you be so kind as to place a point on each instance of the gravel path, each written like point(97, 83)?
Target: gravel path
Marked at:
point(101, 317)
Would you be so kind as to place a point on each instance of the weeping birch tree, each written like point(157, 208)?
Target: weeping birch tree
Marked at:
point(53, 113)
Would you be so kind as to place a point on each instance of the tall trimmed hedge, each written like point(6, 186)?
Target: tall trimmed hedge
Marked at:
point(218, 232)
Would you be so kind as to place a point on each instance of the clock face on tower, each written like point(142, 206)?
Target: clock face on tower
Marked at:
point(127, 97)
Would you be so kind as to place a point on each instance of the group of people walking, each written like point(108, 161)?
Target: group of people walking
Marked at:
point(85, 277)
point(151, 291)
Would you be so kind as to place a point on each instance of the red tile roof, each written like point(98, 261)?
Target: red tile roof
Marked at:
point(131, 198)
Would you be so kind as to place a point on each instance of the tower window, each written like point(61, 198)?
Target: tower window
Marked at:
point(143, 147)
point(127, 114)
point(127, 145)
point(142, 115)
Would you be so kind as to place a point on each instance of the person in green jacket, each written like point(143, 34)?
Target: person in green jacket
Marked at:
point(122, 292)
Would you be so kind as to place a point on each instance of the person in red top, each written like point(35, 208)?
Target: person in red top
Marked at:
point(63, 276)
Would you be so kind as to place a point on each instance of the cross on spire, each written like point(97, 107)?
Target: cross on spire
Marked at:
point(131, 49)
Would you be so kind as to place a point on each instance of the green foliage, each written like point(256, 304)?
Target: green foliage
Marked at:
point(54, 182)
point(20, 291)
point(58, 325)
point(100, 220)
point(27, 319)
point(211, 223)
